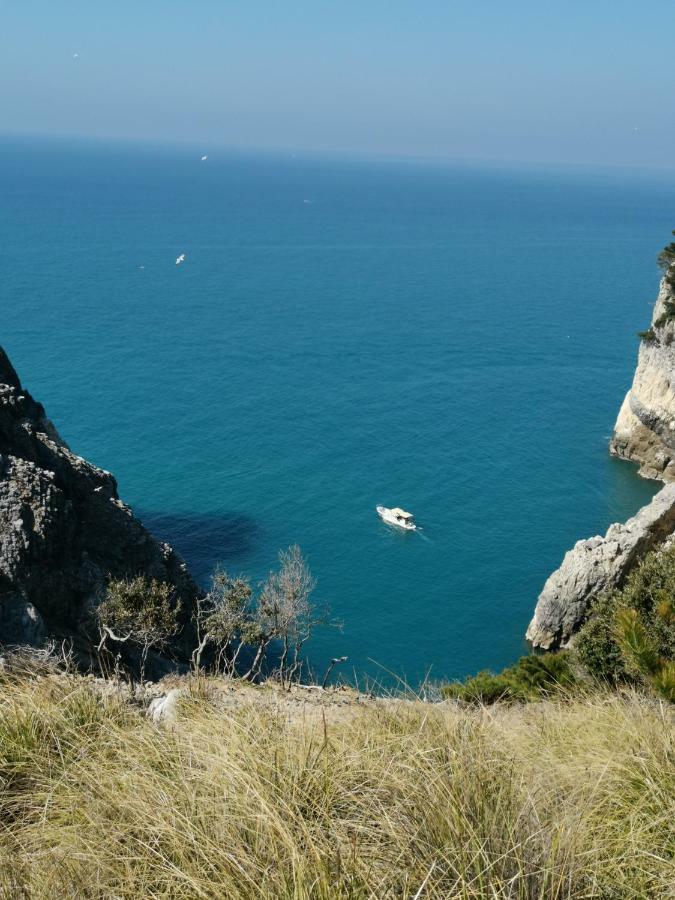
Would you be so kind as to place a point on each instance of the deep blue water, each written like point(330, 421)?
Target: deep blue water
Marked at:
point(454, 341)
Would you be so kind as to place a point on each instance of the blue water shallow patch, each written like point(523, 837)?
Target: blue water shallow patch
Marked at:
point(454, 341)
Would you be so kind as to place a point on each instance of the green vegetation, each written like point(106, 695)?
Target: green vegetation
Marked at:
point(630, 634)
point(230, 623)
point(369, 799)
point(667, 256)
point(531, 678)
point(222, 618)
point(668, 314)
point(144, 613)
point(666, 259)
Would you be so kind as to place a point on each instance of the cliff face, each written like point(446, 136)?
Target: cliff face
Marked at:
point(645, 429)
point(63, 528)
point(596, 565)
point(644, 433)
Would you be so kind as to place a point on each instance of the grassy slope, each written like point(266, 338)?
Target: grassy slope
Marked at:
point(383, 799)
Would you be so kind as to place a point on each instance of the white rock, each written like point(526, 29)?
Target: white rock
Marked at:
point(596, 565)
point(164, 709)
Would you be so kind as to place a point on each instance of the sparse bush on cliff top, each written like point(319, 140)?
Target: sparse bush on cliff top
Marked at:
point(558, 800)
point(228, 619)
point(221, 618)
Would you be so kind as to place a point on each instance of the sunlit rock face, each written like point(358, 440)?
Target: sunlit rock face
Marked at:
point(645, 428)
point(644, 433)
point(596, 565)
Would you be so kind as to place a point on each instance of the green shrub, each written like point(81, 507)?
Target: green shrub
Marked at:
point(596, 646)
point(667, 315)
point(146, 613)
point(648, 336)
point(485, 687)
point(630, 634)
point(531, 678)
point(667, 256)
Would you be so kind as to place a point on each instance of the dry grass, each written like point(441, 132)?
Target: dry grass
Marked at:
point(408, 800)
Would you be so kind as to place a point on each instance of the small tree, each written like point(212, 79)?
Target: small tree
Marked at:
point(141, 611)
point(287, 608)
point(220, 617)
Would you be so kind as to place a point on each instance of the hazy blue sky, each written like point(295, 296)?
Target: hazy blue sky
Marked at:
point(460, 79)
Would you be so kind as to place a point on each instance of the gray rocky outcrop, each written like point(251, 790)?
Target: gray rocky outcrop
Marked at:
point(596, 565)
point(63, 529)
point(645, 428)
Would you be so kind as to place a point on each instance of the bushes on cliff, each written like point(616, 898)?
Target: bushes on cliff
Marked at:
point(596, 646)
point(221, 618)
point(648, 336)
point(233, 622)
point(667, 256)
point(531, 678)
point(668, 314)
point(630, 633)
point(141, 612)
point(234, 628)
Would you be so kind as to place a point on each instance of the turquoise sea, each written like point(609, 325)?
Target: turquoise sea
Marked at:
point(454, 340)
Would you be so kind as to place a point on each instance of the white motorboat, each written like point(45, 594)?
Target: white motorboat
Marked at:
point(397, 516)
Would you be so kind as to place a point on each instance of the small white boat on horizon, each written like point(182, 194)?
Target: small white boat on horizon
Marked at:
point(397, 516)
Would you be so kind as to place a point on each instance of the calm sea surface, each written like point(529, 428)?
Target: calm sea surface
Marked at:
point(454, 341)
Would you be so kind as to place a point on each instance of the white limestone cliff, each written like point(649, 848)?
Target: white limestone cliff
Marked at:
point(645, 428)
point(596, 565)
point(644, 433)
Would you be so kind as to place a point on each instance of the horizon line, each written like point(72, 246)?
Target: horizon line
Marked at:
point(334, 155)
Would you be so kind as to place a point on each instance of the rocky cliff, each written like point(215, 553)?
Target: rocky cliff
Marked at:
point(645, 429)
point(63, 528)
point(596, 565)
point(644, 433)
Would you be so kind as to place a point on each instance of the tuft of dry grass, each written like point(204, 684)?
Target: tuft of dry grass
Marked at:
point(573, 798)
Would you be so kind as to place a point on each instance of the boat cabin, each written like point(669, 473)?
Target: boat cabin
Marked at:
point(402, 515)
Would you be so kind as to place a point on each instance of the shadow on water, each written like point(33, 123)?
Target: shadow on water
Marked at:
point(204, 541)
